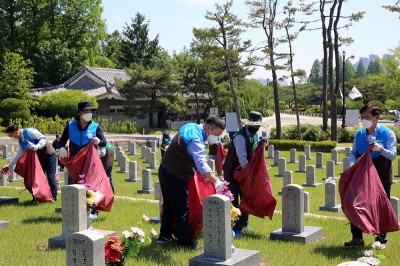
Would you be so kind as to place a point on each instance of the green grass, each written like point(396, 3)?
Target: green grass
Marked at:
point(25, 242)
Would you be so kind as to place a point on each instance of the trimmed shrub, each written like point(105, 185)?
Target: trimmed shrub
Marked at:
point(12, 108)
point(324, 146)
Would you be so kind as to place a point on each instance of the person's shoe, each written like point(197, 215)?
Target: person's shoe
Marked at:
point(381, 239)
point(163, 240)
point(355, 243)
point(238, 234)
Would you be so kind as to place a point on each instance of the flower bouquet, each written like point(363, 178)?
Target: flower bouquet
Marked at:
point(118, 251)
point(373, 257)
point(235, 212)
point(90, 193)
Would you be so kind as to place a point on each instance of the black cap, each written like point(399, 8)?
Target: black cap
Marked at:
point(82, 106)
point(255, 119)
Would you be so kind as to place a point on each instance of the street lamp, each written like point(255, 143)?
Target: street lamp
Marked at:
point(343, 86)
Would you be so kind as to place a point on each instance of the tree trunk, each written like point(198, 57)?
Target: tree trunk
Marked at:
point(324, 70)
point(197, 108)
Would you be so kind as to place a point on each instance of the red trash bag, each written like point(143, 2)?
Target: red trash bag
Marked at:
point(364, 200)
point(28, 166)
point(198, 189)
point(255, 185)
point(87, 162)
point(220, 157)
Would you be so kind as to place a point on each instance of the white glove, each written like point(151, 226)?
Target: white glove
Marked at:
point(63, 152)
point(34, 147)
point(377, 147)
point(219, 185)
point(96, 140)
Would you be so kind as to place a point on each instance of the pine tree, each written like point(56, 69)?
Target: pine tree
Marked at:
point(360, 71)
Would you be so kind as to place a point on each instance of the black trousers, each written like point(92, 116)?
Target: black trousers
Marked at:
point(175, 207)
point(49, 165)
point(357, 233)
point(243, 220)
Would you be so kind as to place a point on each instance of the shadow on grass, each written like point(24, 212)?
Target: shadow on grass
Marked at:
point(42, 219)
point(332, 252)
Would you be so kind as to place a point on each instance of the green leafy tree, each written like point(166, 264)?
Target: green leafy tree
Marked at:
point(391, 79)
point(110, 47)
point(136, 47)
point(12, 108)
point(374, 67)
point(360, 71)
point(16, 77)
point(316, 73)
point(62, 104)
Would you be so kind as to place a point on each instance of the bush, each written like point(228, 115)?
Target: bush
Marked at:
point(12, 108)
point(325, 146)
point(309, 132)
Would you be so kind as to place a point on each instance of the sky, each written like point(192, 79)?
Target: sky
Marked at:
point(174, 20)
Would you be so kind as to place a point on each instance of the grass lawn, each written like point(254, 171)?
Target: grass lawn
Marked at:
point(25, 242)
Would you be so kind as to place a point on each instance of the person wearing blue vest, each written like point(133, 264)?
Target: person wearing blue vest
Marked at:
point(81, 132)
point(186, 152)
point(31, 138)
point(243, 143)
point(383, 153)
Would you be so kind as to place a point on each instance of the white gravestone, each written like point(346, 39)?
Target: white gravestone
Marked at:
point(293, 228)
point(306, 202)
point(330, 198)
point(310, 177)
point(270, 151)
point(330, 170)
point(211, 163)
point(335, 156)
point(4, 224)
point(277, 155)
point(123, 167)
point(395, 204)
point(319, 160)
point(3, 180)
point(5, 151)
point(302, 164)
point(146, 182)
point(293, 155)
point(281, 167)
point(153, 145)
point(143, 152)
point(153, 160)
point(287, 180)
point(133, 172)
point(157, 196)
point(217, 235)
point(307, 152)
point(85, 248)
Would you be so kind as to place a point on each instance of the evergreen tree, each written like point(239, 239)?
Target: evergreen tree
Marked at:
point(374, 67)
point(316, 73)
point(360, 71)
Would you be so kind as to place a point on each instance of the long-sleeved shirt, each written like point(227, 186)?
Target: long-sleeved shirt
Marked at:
point(33, 133)
point(197, 149)
point(389, 151)
point(240, 146)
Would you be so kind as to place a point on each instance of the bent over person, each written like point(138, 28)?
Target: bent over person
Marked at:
point(186, 152)
point(31, 138)
point(383, 153)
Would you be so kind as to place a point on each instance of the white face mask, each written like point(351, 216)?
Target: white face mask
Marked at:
point(211, 139)
point(366, 123)
point(87, 117)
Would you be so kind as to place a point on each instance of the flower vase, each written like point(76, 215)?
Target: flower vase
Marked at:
point(233, 237)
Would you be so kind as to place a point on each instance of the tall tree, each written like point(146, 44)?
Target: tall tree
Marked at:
point(360, 71)
point(16, 77)
point(227, 34)
point(263, 15)
point(136, 47)
point(374, 67)
point(316, 73)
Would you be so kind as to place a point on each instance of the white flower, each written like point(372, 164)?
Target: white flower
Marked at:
point(145, 217)
point(378, 245)
point(128, 234)
point(369, 260)
point(330, 180)
point(137, 231)
point(368, 253)
point(153, 232)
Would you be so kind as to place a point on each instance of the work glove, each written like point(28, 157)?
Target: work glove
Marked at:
point(34, 147)
point(4, 170)
point(63, 152)
point(219, 185)
point(96, 140)
point(377, 147)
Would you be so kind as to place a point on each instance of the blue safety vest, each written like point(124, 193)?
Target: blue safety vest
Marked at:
point(362, 140)
point(24, 144)
point(81, 138)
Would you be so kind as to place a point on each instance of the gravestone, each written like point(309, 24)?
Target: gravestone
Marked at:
point(153, 160)
point(310, 177)
point(395, 204)
point(143, 152)
point(217, 235)
point(85, 248)
point(5, 151)
point(287, 179)
point(347, 151)
point(120, 155)
point(8, 200)
point(277, 155)
point(282, 166)
point(335, 156)
point(307, 152)
point(330, 198)
point(148, 152)
point(302, 164)
point(146, 182)
point(157, 196)
point(293, 228)
point(118, 149)
point(293, 156)
point(132, 148)
point(3, 180)
point(346, 164)
point(319, 162)
point(153, 145)
point(74, 215)
point(306, 202)
point(133, 172)
point(330, 170)
point(211, 163)
point(13, 176)
point(123, 167)
point(270, 151)
point(4, 224)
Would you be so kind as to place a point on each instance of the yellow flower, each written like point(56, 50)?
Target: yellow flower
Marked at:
point(235, 213)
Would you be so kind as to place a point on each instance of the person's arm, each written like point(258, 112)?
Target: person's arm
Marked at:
point(240, 146)
point(390, 151)
point(353, 153)
point(197, 149)
point(65, 136)
point(100, 135)
point(36, 134)
point(19, 154)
